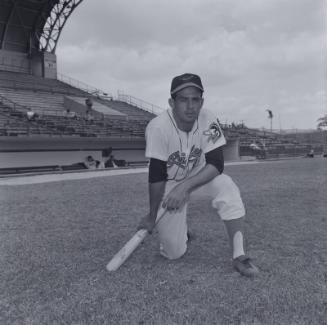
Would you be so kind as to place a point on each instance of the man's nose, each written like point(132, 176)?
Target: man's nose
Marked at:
point(190, 104)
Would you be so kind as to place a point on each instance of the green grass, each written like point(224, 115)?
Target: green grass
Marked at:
point(56, 239)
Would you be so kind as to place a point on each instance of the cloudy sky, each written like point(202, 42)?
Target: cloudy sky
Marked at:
point(252, 55)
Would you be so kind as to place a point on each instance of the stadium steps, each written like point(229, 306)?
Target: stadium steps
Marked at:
point(132, 111)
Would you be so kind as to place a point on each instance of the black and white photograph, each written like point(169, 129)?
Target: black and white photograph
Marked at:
point(163, 162)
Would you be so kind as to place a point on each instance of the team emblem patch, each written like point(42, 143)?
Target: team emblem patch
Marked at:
point(214, 132)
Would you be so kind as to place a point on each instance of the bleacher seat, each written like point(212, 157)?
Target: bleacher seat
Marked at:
point(46, 98)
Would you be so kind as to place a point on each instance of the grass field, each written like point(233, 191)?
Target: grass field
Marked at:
point(56, 239)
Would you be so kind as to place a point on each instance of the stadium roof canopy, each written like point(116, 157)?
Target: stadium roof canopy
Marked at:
point(26, 25)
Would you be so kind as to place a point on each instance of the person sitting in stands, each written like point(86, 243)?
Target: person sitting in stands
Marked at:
point(311, 153)
point(91, 163)
point(89, 104)
point(70, 114)
point(88, 116)
point(88, 112)
point(31, 116)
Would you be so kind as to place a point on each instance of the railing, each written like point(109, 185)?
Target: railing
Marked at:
point(146, 106)
point(83, 86)
point(131, 100)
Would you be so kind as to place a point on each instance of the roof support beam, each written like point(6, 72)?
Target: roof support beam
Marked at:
point(26, 31)
point(5, 30)
point(55, 23)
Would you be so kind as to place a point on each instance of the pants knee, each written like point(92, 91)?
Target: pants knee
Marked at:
point(227, 198)
point(173, 250)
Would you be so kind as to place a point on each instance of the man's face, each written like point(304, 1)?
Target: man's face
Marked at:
point(187, 105)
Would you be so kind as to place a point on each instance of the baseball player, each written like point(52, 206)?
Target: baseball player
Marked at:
point(184, 145)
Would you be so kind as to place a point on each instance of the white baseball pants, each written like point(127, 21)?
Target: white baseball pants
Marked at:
point(172, 227)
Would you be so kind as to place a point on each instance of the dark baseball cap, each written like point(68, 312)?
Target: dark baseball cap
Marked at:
point(185, 80)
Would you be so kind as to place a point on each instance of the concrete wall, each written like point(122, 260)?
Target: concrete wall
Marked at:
point(43, 151)
point(28, 152)
point(44, 64)
point(14, 61)
point(41, 64)
point(49, 65)
point(61, 158)
point(231, 150)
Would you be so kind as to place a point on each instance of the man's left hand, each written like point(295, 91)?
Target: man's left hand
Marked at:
point(176, 198)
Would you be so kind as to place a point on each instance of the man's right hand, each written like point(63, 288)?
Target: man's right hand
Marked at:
point(148, 223)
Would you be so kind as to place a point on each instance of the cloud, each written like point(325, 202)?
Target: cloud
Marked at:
point(250, 54)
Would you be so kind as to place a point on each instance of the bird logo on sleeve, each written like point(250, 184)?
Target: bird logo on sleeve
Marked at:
point(214, 132)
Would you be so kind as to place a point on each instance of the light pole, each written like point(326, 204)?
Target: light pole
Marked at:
point(270, 116)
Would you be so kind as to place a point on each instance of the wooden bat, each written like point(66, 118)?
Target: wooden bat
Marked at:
point(126, 250)
point(129, 248)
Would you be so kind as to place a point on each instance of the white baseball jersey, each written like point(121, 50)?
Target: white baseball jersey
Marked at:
point(184, 152)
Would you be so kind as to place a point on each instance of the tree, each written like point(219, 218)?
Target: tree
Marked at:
point(322, 122)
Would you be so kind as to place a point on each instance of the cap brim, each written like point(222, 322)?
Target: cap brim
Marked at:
point(187, 84)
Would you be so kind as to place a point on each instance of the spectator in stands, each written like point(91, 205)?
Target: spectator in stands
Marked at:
point(70, 114)
point(311, 153)
point(88, 113)
point(88, 116)
point(89, 104)
point(258, 150)
point(31, 116)
point(91, 163)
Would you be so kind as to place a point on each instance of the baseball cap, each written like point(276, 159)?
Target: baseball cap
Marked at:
point(185, 80)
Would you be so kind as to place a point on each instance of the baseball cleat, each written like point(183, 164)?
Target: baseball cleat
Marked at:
point(244, 266)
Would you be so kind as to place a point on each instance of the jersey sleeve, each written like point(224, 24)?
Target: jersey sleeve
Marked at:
point(212, 136)
point(156, 144)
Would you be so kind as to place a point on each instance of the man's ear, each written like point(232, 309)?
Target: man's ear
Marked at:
point(171, 102)
point(202, 102)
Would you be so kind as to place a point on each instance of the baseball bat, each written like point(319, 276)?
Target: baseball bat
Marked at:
point(122, 255)
point(126, 250)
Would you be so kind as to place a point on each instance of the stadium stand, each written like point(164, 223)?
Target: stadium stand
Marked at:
point(47, 99)
point(273, 144)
